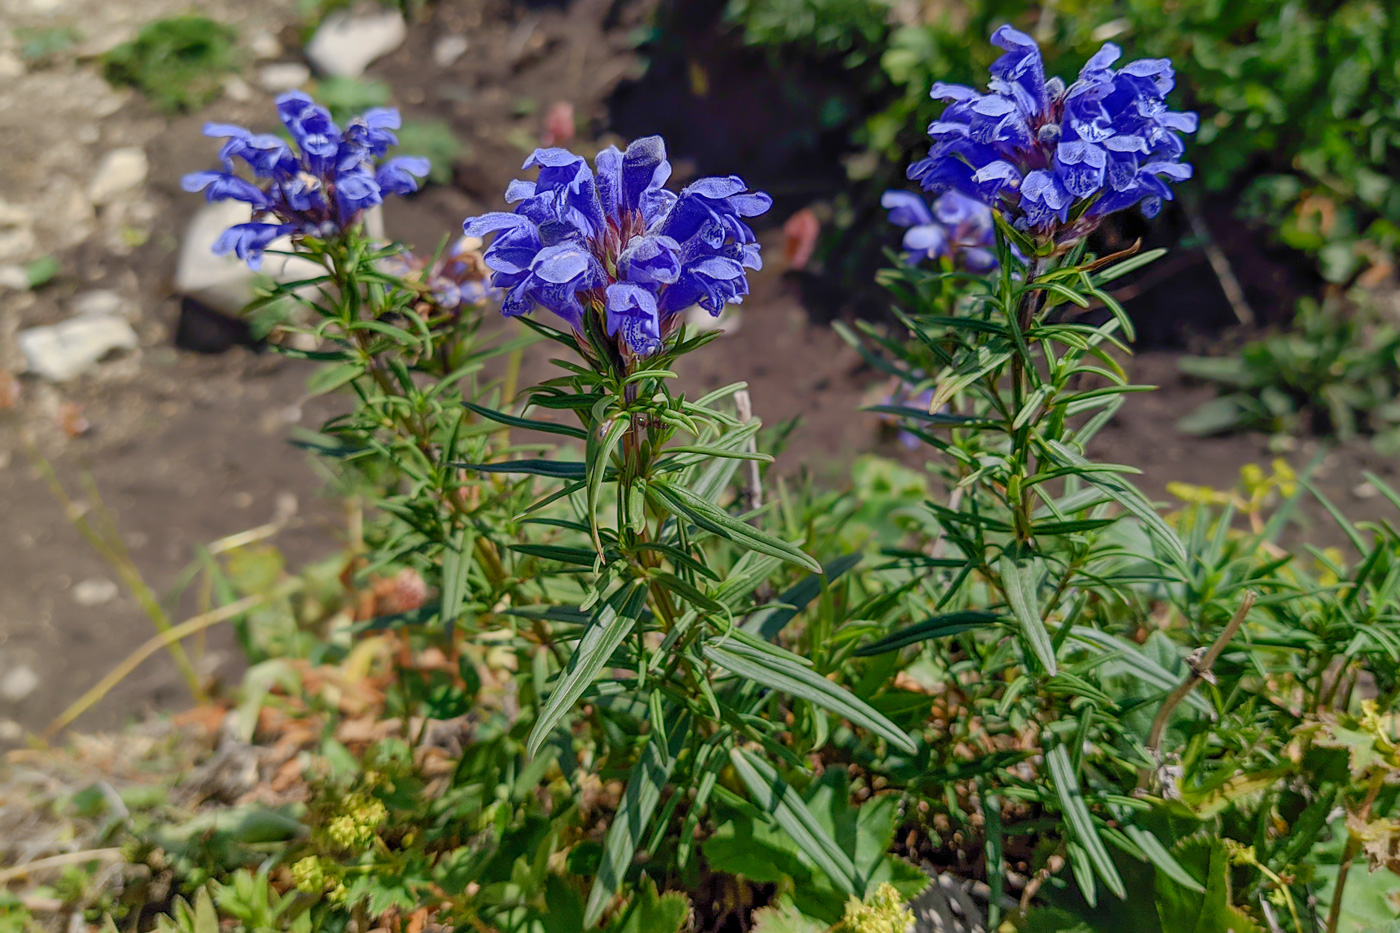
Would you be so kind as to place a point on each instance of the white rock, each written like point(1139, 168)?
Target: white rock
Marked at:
point(225, 283)
point(10, 731)
point(119, 171)
point(61, 351)
point(18, 683)
point(704, 322)
point(100, 302)
point(344, 45)
point(237, 90)
point(14, 277)
point(10, 66)
point(264, 44)
point(94, 592)
point(448, 49)
point(283, 76)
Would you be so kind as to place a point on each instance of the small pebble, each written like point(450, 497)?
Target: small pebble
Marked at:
point(18, 683)
point(94, 592)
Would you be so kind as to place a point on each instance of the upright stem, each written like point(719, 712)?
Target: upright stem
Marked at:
point(1024, 497)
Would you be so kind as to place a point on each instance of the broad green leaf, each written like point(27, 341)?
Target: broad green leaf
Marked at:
point(778, 669)
point(777, 798)
point(1206, 907)
point(612, 623)
point(1021, 577)
point(716, 521)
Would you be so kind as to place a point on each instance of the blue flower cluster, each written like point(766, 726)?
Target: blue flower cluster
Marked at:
point(957, 227)
point(614, 241)
point(319, 188)
point(1058, 159)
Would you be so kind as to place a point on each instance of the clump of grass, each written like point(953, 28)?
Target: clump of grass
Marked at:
point(178, 63)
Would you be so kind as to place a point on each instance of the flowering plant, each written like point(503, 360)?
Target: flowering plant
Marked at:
point(1057, 159)
point(318, 187)
point(614, 247)
point(958, 228)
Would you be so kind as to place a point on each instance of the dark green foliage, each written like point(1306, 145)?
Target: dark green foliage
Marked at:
point(178, 63)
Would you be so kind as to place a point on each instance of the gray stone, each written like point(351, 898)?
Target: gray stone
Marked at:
point(14, 278)
point(101, 302)
point(344, 45)
point(264, 44)
point(237, 90)
point(283, 76)
point(60, 352)
point(94, 592)
point(225, 283)
point(18, 683)
point(120, 171)
point(447, 49)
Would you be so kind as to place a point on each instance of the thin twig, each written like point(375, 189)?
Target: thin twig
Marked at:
point(1353, 846)
point(1220, 264)
point(1201, 665)
point(169, 637)
point(59, 861)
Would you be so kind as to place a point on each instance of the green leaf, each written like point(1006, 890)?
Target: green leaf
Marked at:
point(1081, 824)
point(1021, 577)
point(777, 798)
point(549, 427)
point(781, 670)
point(1161, 858)
point(785, 918)
point(557, 469)
point(649, 775)
point(599, 449)
point(716, 521)
point(1206, 907)
point(1126, 495)
point(455, 566)
point(767, 623)
point(612, 623)
point(650, 912)
point(951, 623)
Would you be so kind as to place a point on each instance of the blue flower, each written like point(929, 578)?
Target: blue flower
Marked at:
point(319, 186)
point(1054, 159)
point(958, 227)
point(614, 241)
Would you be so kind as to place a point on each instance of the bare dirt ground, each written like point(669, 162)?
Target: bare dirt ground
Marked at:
point(185, 448)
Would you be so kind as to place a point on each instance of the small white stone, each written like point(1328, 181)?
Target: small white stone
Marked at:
point(225, 283)
point(1365, 491)
point(344, 45)
point(283, 76)
point(119, 171)
point(14, 277)
point(10, 66)
point(10, 731)
point(237, 90)
point(101, 302)
point(264, 44)
point(61, 351)
point(447, 49)
point(94, 592)
point(18, 683)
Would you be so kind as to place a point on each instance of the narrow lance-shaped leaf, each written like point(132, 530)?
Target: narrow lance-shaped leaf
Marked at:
point(1080, 822)
point(613, 621)
point(940, 626)
point(1020, 577)
point(716, 521)
point(777, 798)
point(770, 668)
point(644, 785)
